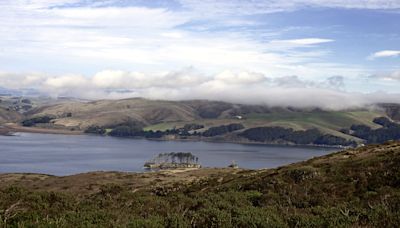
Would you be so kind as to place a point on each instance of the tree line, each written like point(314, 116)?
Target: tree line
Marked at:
point(389, 130)
point(302, 137)
point(133, 130)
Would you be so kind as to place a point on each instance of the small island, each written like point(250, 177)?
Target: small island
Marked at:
point(173, 160)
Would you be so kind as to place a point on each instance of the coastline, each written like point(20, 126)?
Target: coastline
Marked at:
point(246, 142)
point(11, 128)
point(15, 128)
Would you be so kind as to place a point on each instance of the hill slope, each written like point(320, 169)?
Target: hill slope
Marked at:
point(358, 187)
point(9, 116)
point(162, 115)
point(113, 112)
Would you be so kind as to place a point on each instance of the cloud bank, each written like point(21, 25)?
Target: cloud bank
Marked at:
point(230, 86)
point(392, 76)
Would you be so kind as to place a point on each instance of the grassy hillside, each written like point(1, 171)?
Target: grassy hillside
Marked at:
point(9, 116)
point(162, 115)
point(112, 112)
point(354, 188)
point(392, 110)
point(26, 104)
point(171, 120)
point(328, 122)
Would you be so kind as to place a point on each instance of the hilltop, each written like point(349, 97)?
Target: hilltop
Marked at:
point(214, 121)
point(202, 120)
point(351, 188)
point(160, 115)
point(113, 112)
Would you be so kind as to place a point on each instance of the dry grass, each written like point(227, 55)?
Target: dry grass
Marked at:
point(87, 183)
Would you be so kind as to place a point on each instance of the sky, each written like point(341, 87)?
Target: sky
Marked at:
point(330, 53)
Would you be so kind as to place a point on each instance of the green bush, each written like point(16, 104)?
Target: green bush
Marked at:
point(37, 120)
point(96, 130)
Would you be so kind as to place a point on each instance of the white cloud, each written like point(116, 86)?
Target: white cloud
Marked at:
point(395, 75)
point(36, 4)
point(335, 82)
point(392, 76)
point(385, 53)
point(112, 79)
point(42, 34)
point(245, 7)
point(231, 86)
point(308, 41)
point(65, 82)
point(176, 35)
point(291, 82)
point(241, 78)
point(19, 81)
point(147, 39)
point(297, 43)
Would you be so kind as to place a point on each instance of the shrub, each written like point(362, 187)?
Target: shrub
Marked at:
point(36, 120)
point(95, 130)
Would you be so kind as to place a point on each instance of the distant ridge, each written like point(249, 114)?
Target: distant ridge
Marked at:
point(162, 115)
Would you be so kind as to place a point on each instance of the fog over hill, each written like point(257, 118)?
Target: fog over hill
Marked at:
point(235, 87)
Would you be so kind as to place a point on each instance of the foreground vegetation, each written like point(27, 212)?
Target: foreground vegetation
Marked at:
point(357, 187)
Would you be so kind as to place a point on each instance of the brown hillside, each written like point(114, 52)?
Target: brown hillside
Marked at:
point(113, 112)
point(9, 116)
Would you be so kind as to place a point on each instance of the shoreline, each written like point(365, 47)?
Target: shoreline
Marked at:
point(150, 171)
point(12, 128)
point(241, 142)
point(250, 143)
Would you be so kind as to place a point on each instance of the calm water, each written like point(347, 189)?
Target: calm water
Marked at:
point(64, 155)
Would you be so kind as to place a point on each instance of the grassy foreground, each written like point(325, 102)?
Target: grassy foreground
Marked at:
point(353, 188)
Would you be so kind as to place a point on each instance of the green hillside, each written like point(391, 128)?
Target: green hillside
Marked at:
point(161, 115)
point(158, 115)
point(330, 122)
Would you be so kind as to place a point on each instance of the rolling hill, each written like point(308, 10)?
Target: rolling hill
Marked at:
point(113, 112)
point(162, 115)
point(7, 116)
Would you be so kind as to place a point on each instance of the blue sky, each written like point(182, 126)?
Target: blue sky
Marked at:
point(50, 45)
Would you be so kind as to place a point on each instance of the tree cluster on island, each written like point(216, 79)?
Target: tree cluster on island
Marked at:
point(173, 160)
point(176, 157)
